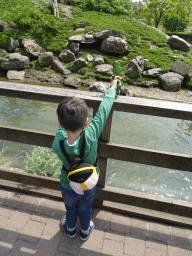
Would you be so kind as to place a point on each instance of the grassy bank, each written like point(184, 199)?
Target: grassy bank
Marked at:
point(37, 21)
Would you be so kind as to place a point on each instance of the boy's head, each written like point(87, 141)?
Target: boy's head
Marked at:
point(72, 114)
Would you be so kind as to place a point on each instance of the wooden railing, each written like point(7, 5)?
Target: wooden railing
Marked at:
point(106, 150)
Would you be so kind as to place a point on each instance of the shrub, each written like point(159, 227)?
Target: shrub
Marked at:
point(43, 162)
point(173, 24)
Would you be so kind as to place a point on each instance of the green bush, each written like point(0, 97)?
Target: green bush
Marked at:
point(174, 25)
point(43, 162)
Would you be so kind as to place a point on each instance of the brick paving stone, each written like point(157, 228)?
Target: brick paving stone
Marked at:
point(50, 208)
point(95, 241)
point(3, 221)
point(38, 218)
point(114, 236)
point(180, 237)
point(23, 248)
point(153, 252)
point(69, 245)
point(30, 203)
point(159, 232)
point(102, 219)
point(32, 231)
point(6, 212)
point(120, 223)
point(134, 246)
point(14, 201)
point(5, 248)
point(17, 221)
point(51, 229)
point(139, 228)
point(156, 245)
point(84, 252)
point(176, 251)
point(112, 248)
point(48, 246)
point(65, 254)
point(7, 239)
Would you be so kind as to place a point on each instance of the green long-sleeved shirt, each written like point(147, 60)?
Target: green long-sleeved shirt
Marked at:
point(92, 133)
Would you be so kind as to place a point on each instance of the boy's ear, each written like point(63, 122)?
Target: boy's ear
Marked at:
point(86, 122)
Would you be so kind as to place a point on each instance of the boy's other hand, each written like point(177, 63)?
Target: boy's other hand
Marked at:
point(114, 81)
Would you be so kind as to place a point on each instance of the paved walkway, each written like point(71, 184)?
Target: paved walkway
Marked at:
point(30, 226)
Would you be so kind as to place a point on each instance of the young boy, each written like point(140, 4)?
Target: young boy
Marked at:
point(73, 119)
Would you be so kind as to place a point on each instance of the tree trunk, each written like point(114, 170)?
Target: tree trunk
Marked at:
point(55, 9)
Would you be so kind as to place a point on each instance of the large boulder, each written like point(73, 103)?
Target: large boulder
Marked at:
point(98, 87)
point(3, 25)
point(13, 44)
point(78, 64)
point(114, 45)
point(75, 38)
point(182, 69)
point(154, 72)
point(98, 60)
point(72, 82)
point(74, 47)
point(107, 33)
point(15, 61)
point(135, 67)
point(179, 43)
point(15, 75)
point(79, 25)
point(31, 47)
point(58, 67)
point(67, 56)
point(88, 39)
point(2, 52)
point(45, 58)
point(171, 81)
point(104, 69)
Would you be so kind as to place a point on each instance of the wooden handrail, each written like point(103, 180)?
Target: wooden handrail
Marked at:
point(105, 149)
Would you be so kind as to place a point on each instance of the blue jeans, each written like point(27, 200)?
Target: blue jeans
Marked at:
point(78, 206)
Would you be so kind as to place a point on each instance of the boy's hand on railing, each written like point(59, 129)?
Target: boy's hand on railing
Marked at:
point(115, 80)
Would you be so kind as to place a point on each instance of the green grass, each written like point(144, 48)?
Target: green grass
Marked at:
point(37, 22)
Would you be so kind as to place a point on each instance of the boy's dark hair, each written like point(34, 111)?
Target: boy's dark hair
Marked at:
point(72, 113)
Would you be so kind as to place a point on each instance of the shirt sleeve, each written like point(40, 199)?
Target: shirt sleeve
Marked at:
point(60, 135)
point(96, 126)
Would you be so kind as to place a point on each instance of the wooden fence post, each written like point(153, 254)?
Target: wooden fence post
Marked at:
point(105, 137)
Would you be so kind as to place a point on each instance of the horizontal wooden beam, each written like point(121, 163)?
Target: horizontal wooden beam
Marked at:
point(106, 150)
point(111, 194)
point(93, 99)
point(145, 156)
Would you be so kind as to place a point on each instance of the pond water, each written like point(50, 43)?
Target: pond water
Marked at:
point(150, 132)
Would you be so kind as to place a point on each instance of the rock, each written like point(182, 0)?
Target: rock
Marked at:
point(135, 67)
point(154, 72)
point(104, 69)
point(147, 67)
point(72, 82)
point(78, 64)
point(58, 67)
point(31, 48)
point(171, 81)
point(79, 25)
point(88, 39)
point(67, 56)
point(15, 61)
point(98, 87)
point(98, 61)
point(126, 91)
point(74, 47)
point(13, 44)
point(45, 58)
point(107, 33)
point(179, 43)
point(114, 45)
point(2, 52)
point(3, 25)
point(89, 57)
point(182, 69)
point(15, 75)
point(75, 38)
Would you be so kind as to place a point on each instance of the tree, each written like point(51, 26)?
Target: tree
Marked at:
point(157, 9)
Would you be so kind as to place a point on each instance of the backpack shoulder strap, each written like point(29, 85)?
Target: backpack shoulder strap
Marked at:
point(82, 148)
point(61, 144)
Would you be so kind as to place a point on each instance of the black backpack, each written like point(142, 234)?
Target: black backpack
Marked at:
point(79, 171)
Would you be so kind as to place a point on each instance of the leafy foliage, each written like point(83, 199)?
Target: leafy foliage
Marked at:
point(43, 162)
point(107, 6)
